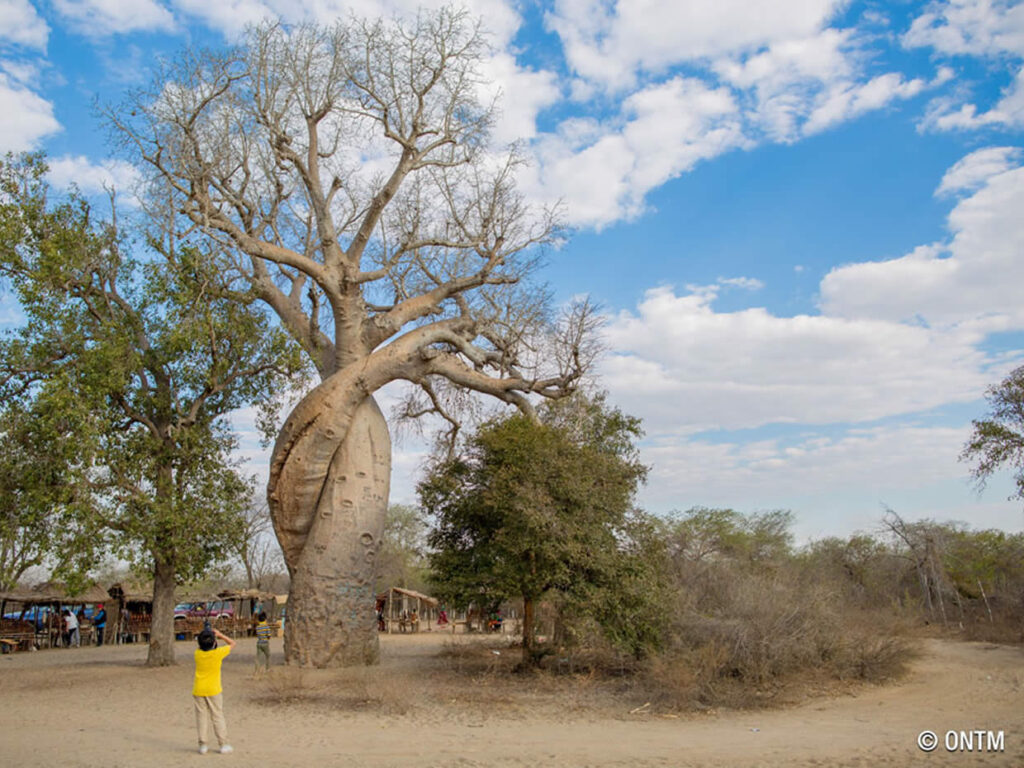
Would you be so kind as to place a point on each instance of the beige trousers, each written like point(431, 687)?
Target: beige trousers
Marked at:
point(211, 708)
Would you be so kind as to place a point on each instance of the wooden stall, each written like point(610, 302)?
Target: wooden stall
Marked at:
point(245, 606)
point(130, 612)
point(34, 618)
point(405, 610)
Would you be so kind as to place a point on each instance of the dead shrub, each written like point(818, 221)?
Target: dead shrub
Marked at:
point(753, 635)
point(766, 627)
point(873, 658)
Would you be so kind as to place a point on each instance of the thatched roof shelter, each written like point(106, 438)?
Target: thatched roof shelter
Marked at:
point(132, 591)
point(395, 608)
point(56, 593)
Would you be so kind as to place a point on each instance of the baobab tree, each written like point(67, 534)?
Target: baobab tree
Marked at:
point(346, 174)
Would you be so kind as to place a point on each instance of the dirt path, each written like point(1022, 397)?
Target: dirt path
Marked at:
point(101, 707)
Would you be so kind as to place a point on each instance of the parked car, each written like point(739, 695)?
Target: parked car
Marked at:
point(220, 609)
point(186, 610)
point(217, 609)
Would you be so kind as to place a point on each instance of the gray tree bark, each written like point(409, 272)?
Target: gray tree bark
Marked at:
point(331, 620)
point(161, 631)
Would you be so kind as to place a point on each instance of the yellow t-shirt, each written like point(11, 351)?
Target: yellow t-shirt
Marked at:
point(207, 680)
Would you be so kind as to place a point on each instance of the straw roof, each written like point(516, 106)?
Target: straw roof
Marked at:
point(244, 594)
point(132, 591)
point(411, 593)
point(56, 592)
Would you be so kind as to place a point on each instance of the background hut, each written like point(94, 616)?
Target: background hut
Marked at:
point(246, 604)
point(34, 617)
point(395, 607)
point(130, 611)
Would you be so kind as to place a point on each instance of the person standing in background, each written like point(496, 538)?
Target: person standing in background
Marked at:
point(99, 623)
point(71, 622)
point(263, 633)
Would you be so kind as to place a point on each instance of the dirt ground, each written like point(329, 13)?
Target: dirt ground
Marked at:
point(419, 708)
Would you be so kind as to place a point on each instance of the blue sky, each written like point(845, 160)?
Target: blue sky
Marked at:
point(803, 219)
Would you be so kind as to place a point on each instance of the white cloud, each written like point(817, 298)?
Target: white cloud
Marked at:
point(868, 462)
point(22, 25)
point(893, 338)
point(943, 115)
point(25, 117)
point(978, 27)
point(801, 86)
point(973, 280)
point(94, 178)
point(686, 368)
point(603, 172)
point(746, 283)
point(231, 16)
point(989, 28)
point(779, 79)
point(523, 94)
point(101, 18)
point(974, 170)
point(610, 43)
point(844, 100)
point(834, 483)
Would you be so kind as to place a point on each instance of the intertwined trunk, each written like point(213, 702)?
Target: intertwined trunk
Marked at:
point(331, 548)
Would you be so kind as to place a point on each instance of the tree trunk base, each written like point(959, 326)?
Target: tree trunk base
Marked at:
point(331, 620)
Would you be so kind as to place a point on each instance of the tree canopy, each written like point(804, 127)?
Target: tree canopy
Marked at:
point(998, 440)
point(531, 509)
point(143, 360)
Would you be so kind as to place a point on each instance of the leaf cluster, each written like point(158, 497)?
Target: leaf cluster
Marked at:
point(998, 441)
point(142, 359)
point(538, 510)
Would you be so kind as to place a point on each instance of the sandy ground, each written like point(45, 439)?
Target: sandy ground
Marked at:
point(103, 707)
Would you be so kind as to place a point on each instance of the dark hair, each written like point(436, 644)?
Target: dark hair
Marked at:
point(207, 640)
point(262, 616)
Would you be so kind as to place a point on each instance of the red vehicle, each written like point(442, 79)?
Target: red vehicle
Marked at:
point(217, 609)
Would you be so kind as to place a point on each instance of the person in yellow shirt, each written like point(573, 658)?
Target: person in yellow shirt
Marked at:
point(207, 691)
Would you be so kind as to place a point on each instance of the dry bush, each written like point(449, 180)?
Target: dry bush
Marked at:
point(477, 656)
point(765, 628)
point(747, 636)
point(873, 658)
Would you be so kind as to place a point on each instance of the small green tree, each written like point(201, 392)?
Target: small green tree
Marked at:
point(402, 559)
point(998, 441)
point(35, 454)
point(146, 362)
point(527, 510)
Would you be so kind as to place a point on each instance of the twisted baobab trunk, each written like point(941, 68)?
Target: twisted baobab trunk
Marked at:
point(328, 493)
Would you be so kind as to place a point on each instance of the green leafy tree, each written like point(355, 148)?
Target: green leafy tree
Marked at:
point(528, 511)
point(35, 495)
point(147, 361)
point(998, 440)
point(702, 533)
